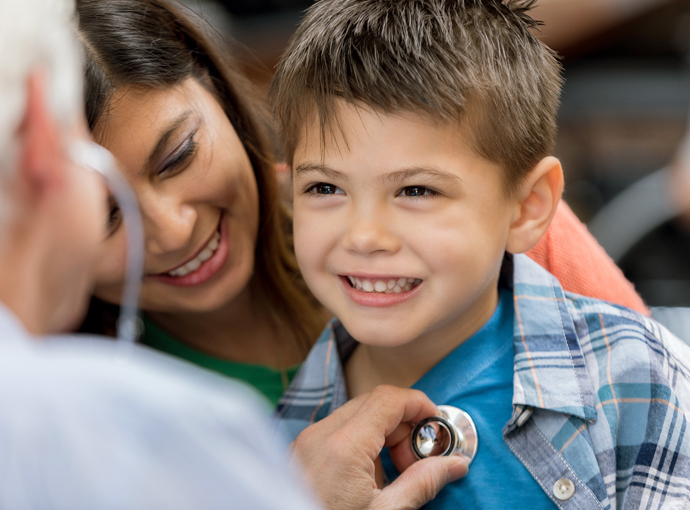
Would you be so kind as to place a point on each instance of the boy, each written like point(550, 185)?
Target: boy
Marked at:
point(419, 133)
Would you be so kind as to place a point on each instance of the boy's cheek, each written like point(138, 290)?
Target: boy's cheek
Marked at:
point(308, 248)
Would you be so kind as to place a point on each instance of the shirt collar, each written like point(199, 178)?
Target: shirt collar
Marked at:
point(549, 370)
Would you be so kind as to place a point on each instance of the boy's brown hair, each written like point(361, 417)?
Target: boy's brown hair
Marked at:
point(474, 62)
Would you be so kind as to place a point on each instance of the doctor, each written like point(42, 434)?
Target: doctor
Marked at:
point(82, 428)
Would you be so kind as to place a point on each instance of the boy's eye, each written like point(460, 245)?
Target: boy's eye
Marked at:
point(416, 191)
point(323, 188)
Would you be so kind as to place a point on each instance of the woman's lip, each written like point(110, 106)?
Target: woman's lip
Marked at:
point(376, 299)
point(203, 247)
point(207, 270)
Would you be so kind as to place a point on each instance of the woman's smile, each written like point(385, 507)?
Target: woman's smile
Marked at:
point(204, 265)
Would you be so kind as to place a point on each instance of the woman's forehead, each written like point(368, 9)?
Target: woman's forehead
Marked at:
point(137, 118)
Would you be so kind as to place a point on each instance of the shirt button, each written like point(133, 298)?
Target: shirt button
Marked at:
point(563, 489)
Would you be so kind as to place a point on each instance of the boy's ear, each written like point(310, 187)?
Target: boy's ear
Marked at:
point(41, 155)
point(537, 199)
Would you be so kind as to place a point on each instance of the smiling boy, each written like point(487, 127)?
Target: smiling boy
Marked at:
point(420, 135)
point(412, 228)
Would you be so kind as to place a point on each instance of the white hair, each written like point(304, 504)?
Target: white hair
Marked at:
point(35, 34)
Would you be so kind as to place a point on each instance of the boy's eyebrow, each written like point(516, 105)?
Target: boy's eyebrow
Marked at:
point(409, 173)
point(397, 176)
point(330, 173)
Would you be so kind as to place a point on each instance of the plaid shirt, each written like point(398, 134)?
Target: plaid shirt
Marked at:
point(599, 396)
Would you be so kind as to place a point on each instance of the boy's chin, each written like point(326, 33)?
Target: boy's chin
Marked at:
point(380, 336)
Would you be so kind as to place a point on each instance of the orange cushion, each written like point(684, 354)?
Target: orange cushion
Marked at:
point(571, 254)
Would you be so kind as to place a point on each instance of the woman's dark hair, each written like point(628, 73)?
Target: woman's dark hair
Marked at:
point(159, 44)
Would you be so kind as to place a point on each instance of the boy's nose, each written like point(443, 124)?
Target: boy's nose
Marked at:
point(368, 232)
point(168, 229)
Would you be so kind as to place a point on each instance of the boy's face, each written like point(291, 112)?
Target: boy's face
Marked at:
point(400, 229)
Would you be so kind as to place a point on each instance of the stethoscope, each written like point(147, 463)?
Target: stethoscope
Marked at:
point(451, 432)
point(94, 157)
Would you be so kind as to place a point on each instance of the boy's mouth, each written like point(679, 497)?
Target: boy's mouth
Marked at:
point(383, 285)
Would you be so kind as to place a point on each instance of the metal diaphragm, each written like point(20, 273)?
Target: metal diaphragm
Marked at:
point(451, 432)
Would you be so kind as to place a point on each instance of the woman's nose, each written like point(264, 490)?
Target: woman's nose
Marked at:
point(168, 227)
point(369, 232)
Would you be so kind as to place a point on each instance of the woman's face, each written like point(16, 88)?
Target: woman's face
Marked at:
point(197, 193)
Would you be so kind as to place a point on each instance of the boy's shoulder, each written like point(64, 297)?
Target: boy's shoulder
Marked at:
point(575, 354)
point(627, 340)
point(537, 290)
point(591, 334)
point(318, 388)
point(629, 356)
point(621, 328)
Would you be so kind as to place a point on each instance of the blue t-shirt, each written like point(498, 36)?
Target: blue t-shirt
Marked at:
point(477, 377)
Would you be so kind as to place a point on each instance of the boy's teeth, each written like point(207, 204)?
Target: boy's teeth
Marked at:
point(196, 262)
point(391, 286)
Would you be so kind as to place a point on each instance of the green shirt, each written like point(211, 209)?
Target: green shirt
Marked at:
point(269, 381)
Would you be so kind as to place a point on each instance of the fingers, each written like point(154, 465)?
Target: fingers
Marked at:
point(340, 416)
point(384, 409)
point(377, 418)
point(402, 454)
point(319, 432)
point(343, 447)
point(420, 483)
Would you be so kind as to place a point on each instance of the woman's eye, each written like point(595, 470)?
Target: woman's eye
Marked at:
point(323, 188)
point(416, 191)
point(180, 158)
point(114, 219)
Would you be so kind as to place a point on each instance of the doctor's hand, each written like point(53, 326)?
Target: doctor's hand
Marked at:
point(338, 453)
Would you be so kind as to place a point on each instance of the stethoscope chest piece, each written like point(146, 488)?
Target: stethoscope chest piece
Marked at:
point(452, 432)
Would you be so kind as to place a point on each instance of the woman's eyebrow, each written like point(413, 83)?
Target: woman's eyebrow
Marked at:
point(165, 136)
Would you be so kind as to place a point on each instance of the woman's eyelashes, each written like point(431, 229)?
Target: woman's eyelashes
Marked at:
point(177, 162)
point(114, 216)
point(180, 158)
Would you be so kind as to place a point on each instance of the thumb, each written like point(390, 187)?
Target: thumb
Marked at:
point(420, 482)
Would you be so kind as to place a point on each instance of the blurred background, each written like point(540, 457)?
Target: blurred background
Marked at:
point(623, 121)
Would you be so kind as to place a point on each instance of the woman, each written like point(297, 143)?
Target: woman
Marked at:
point(220, 279)
point(221, 288)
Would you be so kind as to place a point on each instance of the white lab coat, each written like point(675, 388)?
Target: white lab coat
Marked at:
point(86, 425)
